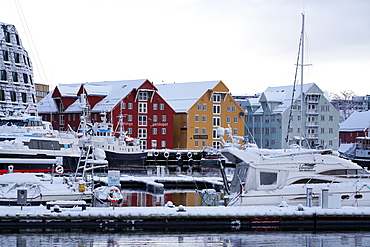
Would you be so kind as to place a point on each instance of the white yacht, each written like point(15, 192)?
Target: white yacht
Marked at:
point(31, 145)
point(270, 180)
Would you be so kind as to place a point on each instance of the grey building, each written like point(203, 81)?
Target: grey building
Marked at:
point(17, 90)
point(278, 119)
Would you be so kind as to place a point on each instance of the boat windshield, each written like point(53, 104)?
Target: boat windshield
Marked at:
point(20, 123)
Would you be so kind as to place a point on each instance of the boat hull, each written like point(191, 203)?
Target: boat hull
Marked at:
point(35, 163)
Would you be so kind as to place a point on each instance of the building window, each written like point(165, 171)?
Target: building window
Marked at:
point(130, 106)
point(228, 108)
point(196, 143)
point(233, 108)
point(2, 95)
point(143, 108)
point(204, 143)
point(155, 106)
point(17, 39)
point(17, 58)
point(129, 131)
point(204, 107)
point(5, 56)
point(204, 118)
point(7, 36)
point(25, 78)
point(164, 118)
point(216, 144)
point(228, 119)
point(204, 131)
point(217, 109)
point(15, 76)
point(129, 118)
point(196, 130)
point(235, 119)
point(331, 118)
point(196, 118)
point(154, 131)
point(322, 130)
point(13, 96)
point(24, 97)
point(216, 121)
point(322, 118)
point(143, 96)
point(200, 108)
point(3, 75)
point(164, 131)
point(331, 130)
point(163, 144)
point(155, 118)
point(141, 133)
point(61, 119)
point(235, 132)
point(143, 121)
point(161, 106)
point(216, 98)
point(214, 134)
point(123, 105)
point(330, 143)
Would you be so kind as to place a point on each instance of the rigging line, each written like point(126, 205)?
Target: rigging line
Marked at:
point(293, 91)
point(25, 26)
point(250, 133)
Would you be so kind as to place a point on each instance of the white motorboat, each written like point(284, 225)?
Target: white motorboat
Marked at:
point(31, 145)
point(41, 188)
point(261, 180)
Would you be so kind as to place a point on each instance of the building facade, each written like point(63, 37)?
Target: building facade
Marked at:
point(17, 89)
point(356, 125)
point(278, 118)
point(202, 107)
point(145, 114)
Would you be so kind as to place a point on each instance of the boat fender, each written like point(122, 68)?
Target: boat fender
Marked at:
point(189, 155)
point(156, 153)
point(178, 156)
point(166, 155)
point(59, 169)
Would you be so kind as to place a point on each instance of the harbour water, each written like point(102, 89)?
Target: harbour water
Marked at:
point(214, 239)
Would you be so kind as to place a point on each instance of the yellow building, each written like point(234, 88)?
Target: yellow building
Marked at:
point(201, 107)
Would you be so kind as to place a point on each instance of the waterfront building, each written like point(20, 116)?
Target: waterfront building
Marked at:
point(278, 118)
point(356, 125)
point(17, 89)
point(201, 107)
point(144, 113)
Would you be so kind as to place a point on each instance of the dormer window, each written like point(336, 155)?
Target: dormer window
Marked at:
point(143, 96)
point(216, 98)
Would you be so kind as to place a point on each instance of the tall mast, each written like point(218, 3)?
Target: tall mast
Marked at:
point(302, 64)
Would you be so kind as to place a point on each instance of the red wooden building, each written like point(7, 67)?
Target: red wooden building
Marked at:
point(146, 115)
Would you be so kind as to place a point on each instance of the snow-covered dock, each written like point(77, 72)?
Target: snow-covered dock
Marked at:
point(38, 218)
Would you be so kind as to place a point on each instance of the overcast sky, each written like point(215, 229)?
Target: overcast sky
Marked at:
point(248, 44)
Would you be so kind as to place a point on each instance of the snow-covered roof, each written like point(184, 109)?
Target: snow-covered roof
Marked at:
point(283, 94)
point(114, 91)
point(69, 90)
point(357, 121)
point(47, 104)
point(181, 96)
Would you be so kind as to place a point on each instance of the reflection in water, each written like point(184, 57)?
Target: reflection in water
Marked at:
point(27, 239)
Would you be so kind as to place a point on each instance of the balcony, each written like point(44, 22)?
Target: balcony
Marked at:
point(312, 124)
point(312, 112)
point(312, 136)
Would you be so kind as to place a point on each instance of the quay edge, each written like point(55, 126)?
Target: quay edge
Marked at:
point(38, 218)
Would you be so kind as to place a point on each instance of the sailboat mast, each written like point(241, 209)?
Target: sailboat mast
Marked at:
point(302, 100)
